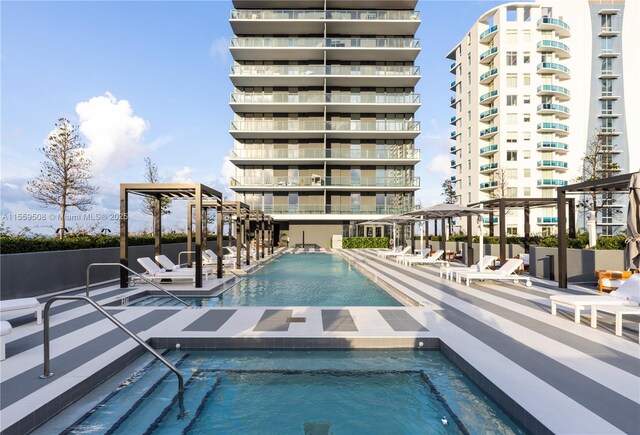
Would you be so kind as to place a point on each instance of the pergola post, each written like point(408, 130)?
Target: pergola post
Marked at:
point(412, 232)
point(443, 239)
point(198, 194)
point(256, 237)
point(229, 235)
point(189, 234)
point(562, 239)
point(124, 236)
point(157, 226)
point(271, 236)
point(491, 229)
point(238, 238)
point(435, 227)
point(572, 217)
point(205, 229)
point(247, 241)
point(503, 231)
point(527, 228)
point(470, 240)
point(426, 235)
point(262, 229)
point(219, 236)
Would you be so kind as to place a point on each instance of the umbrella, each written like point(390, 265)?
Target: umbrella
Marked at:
point(632, 253)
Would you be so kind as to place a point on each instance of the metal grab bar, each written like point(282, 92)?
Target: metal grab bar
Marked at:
point(184, 252)
point(138, 275)
point(47, 362)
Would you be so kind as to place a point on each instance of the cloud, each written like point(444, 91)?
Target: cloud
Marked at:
point(183, 175)
point(440, 164)
point(115, 135)
point(219, 49)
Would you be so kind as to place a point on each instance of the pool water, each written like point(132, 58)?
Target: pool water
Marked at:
point(300, 392)
point(295, 280)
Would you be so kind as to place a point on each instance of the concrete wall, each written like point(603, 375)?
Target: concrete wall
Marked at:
point(314, 233)
point(512, 251)
point(39, 273)
point(581, 263)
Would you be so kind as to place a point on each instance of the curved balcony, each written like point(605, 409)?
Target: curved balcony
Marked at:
point(488, 168)
point(550, 46)
point(487, 36)
point(453, 164)
point(489, 76)
point(488, 56)
point(552, 164)
point(560, 71)
point(488, 133)
point(561, 28)
point(452, 102)
point(453, 85)
point(489, 150)
point(560, 92)
point(553, 127)
point(547, 220)
point(558, 147)
point(453, 149)
point(454, 119)
point(488, 115)
point(454, 134)
point(452, 67)
point(489, 97)
point(551, 183)
point(489, 185)
point(553, 109)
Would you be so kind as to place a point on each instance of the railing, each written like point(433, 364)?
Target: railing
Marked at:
point(400, 181)
point(47, 345)
point(552, 126)
point(283, 42)
point(306, 70)
point(488, 149)
point(453, 148)
point(547, 220)
point(488, 74)
point(452, 66)
point(148, 281)
point(321, 153)
point(552, 145)
point(288, 14)
point(553, 44)
point(373, 70)
point(554, 107)
point(553, 66)
point(296, 125)
point(453, 164)
point(552, 182)
point(488, 53)
point(489, 166)
point(453, 84)
point(551, 164)
point(554, 88)
point(322, 98)
point(488, 32)
point(453, 134)
point(488, 95)
point(553, 22)
point(488, 131)
point(488, 113)
point(331, 209)
point(488, 184)
point(309, 181)
point(318, 180)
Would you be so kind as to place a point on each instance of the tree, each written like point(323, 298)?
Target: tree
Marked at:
point(64, 179)
point(500, 177)
point(149, 204)
point(449, 191)
point(596, 165)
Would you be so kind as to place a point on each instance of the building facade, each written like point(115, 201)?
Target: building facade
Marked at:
point(324, 104)
point(534, 84)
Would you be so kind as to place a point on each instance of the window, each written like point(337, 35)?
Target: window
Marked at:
point(469, 148)
point(526, 154)
point(526, 35)
point(526, 99)
point(527, 14)
point(512, 192)
point(512, 174)
point(512, 58)
point(607, 107)
point(527, 173)
point(469, 197)
point(469, 38)
point(526, 117)
point(512, 231)
point(469, 59)
point(607, 87)
point(526, 135)
point(469, 115)
point(606, 65)
point(512, 80)
point(469, 164)
point(605, 21)
point(606, 125)
point(526, 58)
point(468, 97)
point(512, 156)
point(512, 14)
point(468, 131)
point(469, 180)
point(606, 44)
point(512, 36)
point(526, 79)
point(512, 137)
point(512, 100)
point(512, 118)
point(469, 78)
point(526, 191)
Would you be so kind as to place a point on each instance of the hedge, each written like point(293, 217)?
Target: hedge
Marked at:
point(579, 242)
point(12, 244)
point(365, 242)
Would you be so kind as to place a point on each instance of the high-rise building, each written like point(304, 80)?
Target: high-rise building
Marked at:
point(324, 130)
point(534, 83)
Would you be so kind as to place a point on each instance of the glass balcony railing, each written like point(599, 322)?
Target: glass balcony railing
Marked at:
point(548, 43)
point(331, 209)
point(552, 146)
point(452, 85)
point(487, 221)
point(489, 131)
point(547, 220)
point(551, 164)
point(454, 118)
point(489, 185)
point(491, 30)
point(553, 126)
point(453, 164)
point(452, 66)
point(299, 42)
point(453, 178)
point(489, 52)
point(488, 113)
point(284, 125)
point(488, 149)
point(391, 126)
point(373, 70)
point(453, 149)
point(553, 67)
point(554, 22)
point(349, 181)
point(486, 76)
point(553, 89)
point(297, 125)
point(553, 108)
point(270, 153)
point(549, 182)
point(319, 70)
point(272, 181)
point(302, 14)
point(488, 96)
point(387, 154)
point(321, 98)
point(489, 166)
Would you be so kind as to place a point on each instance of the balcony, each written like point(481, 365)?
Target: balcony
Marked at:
point(488, 168)
point(489, 97)
point(453, 149)
point(549, 46)
point(489, 185)
point(454, 134)
point(487, 221)
point(399, 182)
point(608, 74)
point(488, 133)
point(488, 56)
point(453, 178)
point(547, 220)
point(453, 164)
point(489, 150)
point(489, 76)
point(561, 28)
point(292, 128)
point(608, 31)
point(553, 127)
point(378, 75)
point(258, 155)
point(552, 164)
point(309, 48)
point(559, 110)
point(488, 115)
point(319, 155)
point(315, 182)
point(453, 120)
point(452, 67)
point(453, 85)
point(551, 183)
point(452, 102)
point(560, 71)
point(558, 147)
point(487, 36)
point(609, 131)
point(608, 52)
point(561, 93)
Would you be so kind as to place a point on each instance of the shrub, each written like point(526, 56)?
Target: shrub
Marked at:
point(610, 243)
point(365, 242)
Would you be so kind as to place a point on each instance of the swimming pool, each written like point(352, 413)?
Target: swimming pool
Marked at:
point(294, 392)
point(295, 280)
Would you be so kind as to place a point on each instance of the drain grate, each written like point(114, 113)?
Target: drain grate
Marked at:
point(296, 319)
point(316, 428)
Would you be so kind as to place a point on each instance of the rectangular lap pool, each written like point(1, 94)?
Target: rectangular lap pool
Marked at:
point(295, 280)
point(300, 392)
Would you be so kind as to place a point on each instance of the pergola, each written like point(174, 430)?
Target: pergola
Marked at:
point(619, 183)
point(159, 191)
point(263, 224)
point(231, 208)
point(502, 204)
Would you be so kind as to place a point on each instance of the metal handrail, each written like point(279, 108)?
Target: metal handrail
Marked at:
point(136, 274)
point(47, 361)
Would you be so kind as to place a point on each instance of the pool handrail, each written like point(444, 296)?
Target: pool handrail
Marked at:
point(148, 281)
point(47, 360)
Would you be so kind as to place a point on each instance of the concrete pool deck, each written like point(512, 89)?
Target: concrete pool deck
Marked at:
point(548, 372)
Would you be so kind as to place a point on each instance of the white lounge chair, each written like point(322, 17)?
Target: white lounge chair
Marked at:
point(434, 258)
point(12, 308)
point(453, 271)
point(397, 253)
point(389, 251)
point(5, 329)
point(507, 272)
point(211, 258)
point(627, 295)
point(167, 264)
point(156, 273)
point(422, 254)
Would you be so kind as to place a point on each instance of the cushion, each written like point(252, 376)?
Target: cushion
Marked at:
point(19, 304)
point(5, 327)
point(629, 290)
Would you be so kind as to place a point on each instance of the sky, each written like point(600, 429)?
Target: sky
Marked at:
point(150, 79)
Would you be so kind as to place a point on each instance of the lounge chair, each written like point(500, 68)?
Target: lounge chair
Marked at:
point(434, 258)
point(12, 308)
point(167, 264)
point(507, 272)
point(627, 295)
point(156, 273)
point(5, 329)
point(453, 270)
point(397, 253)
point(423, 254)
point(386, 252)
point(210, 258)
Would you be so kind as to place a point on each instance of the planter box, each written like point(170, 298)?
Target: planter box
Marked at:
point(512, 251)
point(581, 263)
